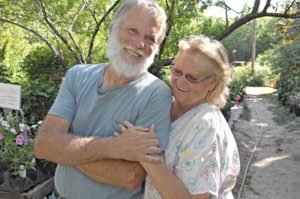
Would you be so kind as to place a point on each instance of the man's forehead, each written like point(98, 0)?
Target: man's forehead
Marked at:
point(148, 18)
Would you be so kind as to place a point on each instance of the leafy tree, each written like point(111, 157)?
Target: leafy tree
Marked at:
point(239, 44)
point(284, 58)
point(76, 31)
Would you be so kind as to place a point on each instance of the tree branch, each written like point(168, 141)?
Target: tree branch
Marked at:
point(255, 7)
point(289, 7)
point(155, 68)
point(92, 13)
point(77, 47)
point(268, 3)
point(81, 8)
point(61, 60)
point(98, 24)
point(250, 17)
point(225, 4)
point(70, 32)
point(56, 32)
point(169, 27)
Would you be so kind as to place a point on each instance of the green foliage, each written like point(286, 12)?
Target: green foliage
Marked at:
point(38, 93)
point(239, 43)
point(285, 63)
point(244, 75)
point(166, 75)
point(37, 97)
point(188, 19)
point(282, 116)
point(4, 73)
point(237, 88)
point(246, 114)
point(40, 63)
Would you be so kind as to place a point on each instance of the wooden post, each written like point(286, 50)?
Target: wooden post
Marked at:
point(253, 46)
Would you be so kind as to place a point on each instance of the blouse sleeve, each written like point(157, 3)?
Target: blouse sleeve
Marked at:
point(199, 160)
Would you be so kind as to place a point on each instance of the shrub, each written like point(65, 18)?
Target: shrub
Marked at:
point(285, 63)
point(38, 93)
point(261, 76)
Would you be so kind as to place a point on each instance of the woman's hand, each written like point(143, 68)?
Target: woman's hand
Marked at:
point(138, 143)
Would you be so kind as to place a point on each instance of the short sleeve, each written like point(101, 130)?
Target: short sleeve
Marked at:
point(199, 166)
point(65, 102)
point(157, 111)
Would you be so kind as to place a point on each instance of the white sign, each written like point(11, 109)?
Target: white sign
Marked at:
point(10, 96)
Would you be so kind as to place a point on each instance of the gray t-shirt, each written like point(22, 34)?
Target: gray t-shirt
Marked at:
point(97, 112)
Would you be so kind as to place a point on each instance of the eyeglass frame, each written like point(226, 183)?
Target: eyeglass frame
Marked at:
point(178, 73)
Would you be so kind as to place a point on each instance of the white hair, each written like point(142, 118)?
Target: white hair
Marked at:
point(121, 66)
point(149, 5)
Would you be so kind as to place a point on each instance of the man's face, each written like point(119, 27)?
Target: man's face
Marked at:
point(133, 45)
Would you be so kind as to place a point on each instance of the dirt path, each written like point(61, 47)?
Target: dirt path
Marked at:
point(274, 172)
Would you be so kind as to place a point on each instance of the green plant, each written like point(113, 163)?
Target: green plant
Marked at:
point(166, 75)
point(16, 145)
point(37, 97)
point(246, 114)
point(284, 61)
point(261, 76)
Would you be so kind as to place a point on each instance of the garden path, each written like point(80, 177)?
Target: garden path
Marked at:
point(274, 171)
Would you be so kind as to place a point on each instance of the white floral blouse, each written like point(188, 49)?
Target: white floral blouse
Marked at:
point(202, 152)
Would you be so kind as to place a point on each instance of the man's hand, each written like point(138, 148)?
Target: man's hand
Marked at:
point(138, 144)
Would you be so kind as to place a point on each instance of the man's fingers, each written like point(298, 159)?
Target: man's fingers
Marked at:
point(128, 124)
point(116, 133)
point(153, 151)
point(152, 128)
point(138, 128)
point(122, 127)
point(151, 142)
point(153, 159)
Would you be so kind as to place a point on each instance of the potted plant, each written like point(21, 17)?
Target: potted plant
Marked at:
point(18, 171)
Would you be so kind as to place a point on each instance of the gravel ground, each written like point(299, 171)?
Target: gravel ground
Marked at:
point(274, 172)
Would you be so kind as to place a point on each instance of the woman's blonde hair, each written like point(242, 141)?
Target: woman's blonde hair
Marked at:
point(214, 51)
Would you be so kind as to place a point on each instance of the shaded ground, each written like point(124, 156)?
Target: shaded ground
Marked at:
point(274, 172)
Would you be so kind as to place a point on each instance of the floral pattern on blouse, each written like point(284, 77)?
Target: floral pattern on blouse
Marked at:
point(202, 152)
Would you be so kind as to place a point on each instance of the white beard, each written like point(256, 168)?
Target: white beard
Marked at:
point(119, 64)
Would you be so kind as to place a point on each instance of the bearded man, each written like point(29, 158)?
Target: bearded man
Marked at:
point(78, 132)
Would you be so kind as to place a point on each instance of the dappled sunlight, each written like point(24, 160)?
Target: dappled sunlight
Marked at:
point(262, 124)
point(259, 90)
point(236, 107)
point(247, 146)
point(268, 161)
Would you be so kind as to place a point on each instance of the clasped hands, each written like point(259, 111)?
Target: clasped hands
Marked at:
point(138, 143)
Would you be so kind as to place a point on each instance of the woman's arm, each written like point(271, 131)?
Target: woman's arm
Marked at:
point(168, 184)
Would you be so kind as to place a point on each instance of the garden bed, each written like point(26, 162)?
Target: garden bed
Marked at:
point(41, 190)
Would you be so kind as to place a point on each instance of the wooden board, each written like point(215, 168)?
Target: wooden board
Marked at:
point(38, 192)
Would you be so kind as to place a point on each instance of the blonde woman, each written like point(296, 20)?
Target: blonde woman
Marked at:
point(201, 159)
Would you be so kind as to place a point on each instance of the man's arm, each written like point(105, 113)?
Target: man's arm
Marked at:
point(122, 173)
point(54, 143)
point(127, 174)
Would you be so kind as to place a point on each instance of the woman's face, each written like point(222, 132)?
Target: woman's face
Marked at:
point(190, 81)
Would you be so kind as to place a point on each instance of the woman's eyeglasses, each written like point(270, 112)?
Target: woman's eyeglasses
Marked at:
point(188, 77)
